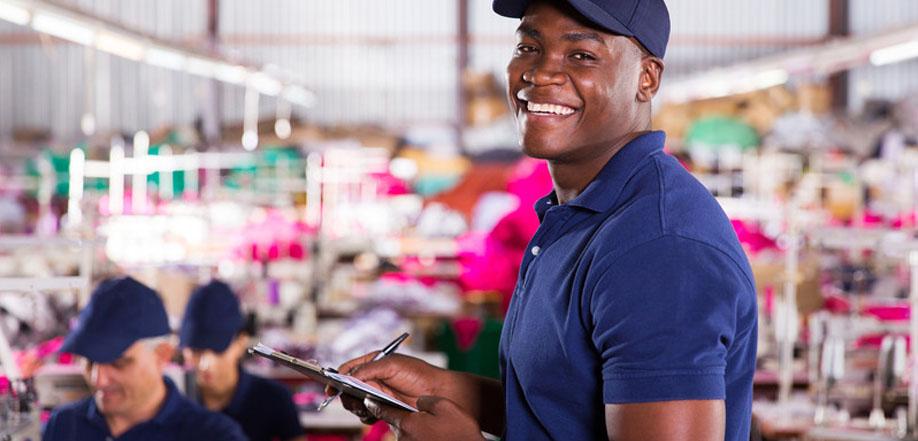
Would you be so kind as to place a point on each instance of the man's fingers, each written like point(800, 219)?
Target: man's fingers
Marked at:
point(356, 407)
point(378, 371)
point(388, 414)
point(349, 365)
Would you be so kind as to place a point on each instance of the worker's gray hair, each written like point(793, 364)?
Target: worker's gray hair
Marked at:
point(153, 342)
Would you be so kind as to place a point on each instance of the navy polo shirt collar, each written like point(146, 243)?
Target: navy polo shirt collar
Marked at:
point(168, 410)
point(614, 175)
point(237, 403)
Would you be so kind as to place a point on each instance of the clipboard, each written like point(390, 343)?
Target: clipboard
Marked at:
point(330, 377)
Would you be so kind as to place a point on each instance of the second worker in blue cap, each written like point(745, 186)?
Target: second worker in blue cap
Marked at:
point(123, 339)
point(214, 339)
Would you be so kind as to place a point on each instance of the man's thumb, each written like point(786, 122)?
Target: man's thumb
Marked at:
point(388, 414)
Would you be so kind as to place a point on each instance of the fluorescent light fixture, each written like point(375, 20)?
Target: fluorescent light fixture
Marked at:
point(141, 169)
point(116, 177)
point(300, 96)
point(282, 128)
point(770, 78)
point(88, 124)
point(166, 58)
point(894, 54)
point(64, 28)
point(77, 168)
point(201, 67)
point(120, 45)
point(265, 84)
point(249, 140)
point(14, 14)
point(230, 73)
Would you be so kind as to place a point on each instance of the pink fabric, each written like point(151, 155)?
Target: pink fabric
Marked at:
point(888, 313)
point(837, 304)
point(377, 432)
point(492, 262)
point(752, 238)
point(273, 238)
point(467, 329)
point(405, 277)
point(386, 184)
point(874, 341)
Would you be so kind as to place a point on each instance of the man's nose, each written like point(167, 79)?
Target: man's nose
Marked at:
point(544, 72)
point(101, 376)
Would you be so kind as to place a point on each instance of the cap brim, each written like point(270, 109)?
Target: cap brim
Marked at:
point(98, 350)
point(216, 341)
point(594, 14)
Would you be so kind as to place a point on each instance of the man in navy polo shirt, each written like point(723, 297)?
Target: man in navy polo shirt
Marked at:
point(634, 315)
point(122, 338)
point(215, 339)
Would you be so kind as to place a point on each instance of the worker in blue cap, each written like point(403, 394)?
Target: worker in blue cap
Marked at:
point(634, 314)
point(122, 337)
point(214, 338)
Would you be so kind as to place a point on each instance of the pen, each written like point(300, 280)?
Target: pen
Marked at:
point(390, 348)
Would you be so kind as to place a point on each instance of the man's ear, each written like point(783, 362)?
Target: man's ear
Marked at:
point(241, 344)
point(651, 75)
point(164, 352)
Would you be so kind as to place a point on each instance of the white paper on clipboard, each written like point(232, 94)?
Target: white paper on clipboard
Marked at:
point(347, 383)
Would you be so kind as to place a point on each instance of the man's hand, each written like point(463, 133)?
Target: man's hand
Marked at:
point(403, 377)
point(438, 418)
point(408, 379)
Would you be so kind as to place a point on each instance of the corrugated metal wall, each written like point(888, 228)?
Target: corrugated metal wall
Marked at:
point(43, 86)
point(891, 81)
point(381, 61)
point(387, 61)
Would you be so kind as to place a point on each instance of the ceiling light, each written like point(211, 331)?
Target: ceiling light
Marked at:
point(230, 73)
point(249, 140)
point(165, 58)
point(282, 128)
point(14, 14)
point(63, 28)
point(122, 46)
point(265, 84)
point(299, 95)
point(201, 67)
point(894, 54)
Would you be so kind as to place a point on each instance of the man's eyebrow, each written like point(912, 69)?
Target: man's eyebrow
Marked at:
point(529, 31)
point(581, 36)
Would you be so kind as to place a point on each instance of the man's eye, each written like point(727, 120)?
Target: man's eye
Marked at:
point(583, 56)
point(525, 49)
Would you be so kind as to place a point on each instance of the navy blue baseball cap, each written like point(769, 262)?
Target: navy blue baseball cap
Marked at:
point(120, 312)
point(645, 20)
point(212, 318)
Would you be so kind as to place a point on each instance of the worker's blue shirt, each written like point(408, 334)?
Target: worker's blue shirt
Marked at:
point(264, 409)
point(635, 291)
point(177, 420)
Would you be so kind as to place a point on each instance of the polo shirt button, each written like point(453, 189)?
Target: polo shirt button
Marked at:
point(535, 250)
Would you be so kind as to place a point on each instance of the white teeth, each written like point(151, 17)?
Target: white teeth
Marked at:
point(555, 109)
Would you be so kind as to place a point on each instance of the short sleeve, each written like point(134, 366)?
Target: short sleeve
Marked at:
point(663, 317)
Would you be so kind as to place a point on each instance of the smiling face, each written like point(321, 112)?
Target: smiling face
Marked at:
point(129, 383)
point(577, 91)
